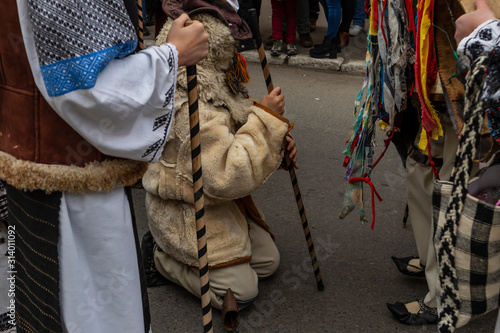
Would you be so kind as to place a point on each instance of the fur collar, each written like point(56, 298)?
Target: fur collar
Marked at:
point(212, 88)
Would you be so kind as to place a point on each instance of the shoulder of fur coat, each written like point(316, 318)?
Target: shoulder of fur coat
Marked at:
point(211, 85)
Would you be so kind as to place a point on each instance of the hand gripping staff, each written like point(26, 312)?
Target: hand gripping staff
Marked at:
point(199, 201)
point(298, 197)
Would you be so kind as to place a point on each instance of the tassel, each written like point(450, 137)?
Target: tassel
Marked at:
point(237, 75)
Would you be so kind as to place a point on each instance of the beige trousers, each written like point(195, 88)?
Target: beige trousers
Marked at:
point(241, 278)
point(419, 185)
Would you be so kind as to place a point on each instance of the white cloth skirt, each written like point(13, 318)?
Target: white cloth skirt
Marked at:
point(99, 276)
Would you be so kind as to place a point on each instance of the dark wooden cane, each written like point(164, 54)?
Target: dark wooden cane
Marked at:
point(128, 191)
point(298, 197)
point(199, 201)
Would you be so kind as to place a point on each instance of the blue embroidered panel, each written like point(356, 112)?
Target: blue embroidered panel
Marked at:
point(68, 75)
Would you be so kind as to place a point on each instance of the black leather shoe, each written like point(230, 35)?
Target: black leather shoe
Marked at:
point(153, 277)
point(403, 263)
point(425, 315)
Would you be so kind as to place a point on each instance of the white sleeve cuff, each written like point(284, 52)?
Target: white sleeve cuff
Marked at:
point(481, 41)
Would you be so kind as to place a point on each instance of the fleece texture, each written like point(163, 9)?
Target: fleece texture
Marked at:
point(94, 177)
point(241, 146)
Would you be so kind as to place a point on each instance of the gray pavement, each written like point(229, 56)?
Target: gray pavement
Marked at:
point(355, 263)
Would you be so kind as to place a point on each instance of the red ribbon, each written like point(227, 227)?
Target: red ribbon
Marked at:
point(431, 161)
point(368, 180)
point(374, 191)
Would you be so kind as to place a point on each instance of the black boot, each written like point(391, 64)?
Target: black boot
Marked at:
point(327, 47)
point(153, 277)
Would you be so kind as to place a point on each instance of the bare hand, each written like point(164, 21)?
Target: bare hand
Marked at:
point(275, 101)
point(291, 148)
point(190, 41)
point(467, 23)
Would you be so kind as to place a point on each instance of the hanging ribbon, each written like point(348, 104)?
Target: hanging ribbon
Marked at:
point(424, 57)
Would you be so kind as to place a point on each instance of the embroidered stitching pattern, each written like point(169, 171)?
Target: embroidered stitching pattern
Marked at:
point(88, 36)
point(165, 121)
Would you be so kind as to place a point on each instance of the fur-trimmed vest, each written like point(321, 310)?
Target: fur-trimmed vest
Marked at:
point(38, 149)
point(241, 146)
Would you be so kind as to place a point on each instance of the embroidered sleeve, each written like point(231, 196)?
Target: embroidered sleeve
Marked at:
point(121, 105)
point(76, 40)
point(481, 41)
point(485, 41)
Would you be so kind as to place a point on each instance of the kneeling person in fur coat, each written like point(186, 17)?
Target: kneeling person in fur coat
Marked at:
point(242, 145)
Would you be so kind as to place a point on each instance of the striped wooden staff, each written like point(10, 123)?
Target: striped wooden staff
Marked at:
point(138, 184)
point(141, 26)
point(199, 201)
point(298, 197)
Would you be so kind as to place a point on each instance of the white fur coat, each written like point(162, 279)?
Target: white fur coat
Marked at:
point(241, 146)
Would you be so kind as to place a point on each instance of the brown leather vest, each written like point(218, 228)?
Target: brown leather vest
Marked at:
point(29, 128)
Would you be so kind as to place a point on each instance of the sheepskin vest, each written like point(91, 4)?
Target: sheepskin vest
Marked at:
point(38, 149)
point(241, 146)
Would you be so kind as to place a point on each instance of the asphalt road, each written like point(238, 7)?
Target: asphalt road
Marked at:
point(358, 273)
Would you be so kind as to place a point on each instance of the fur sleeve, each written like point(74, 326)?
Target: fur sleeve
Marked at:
point(236, 163)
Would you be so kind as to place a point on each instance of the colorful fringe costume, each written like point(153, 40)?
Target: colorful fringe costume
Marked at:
point(390, 56)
